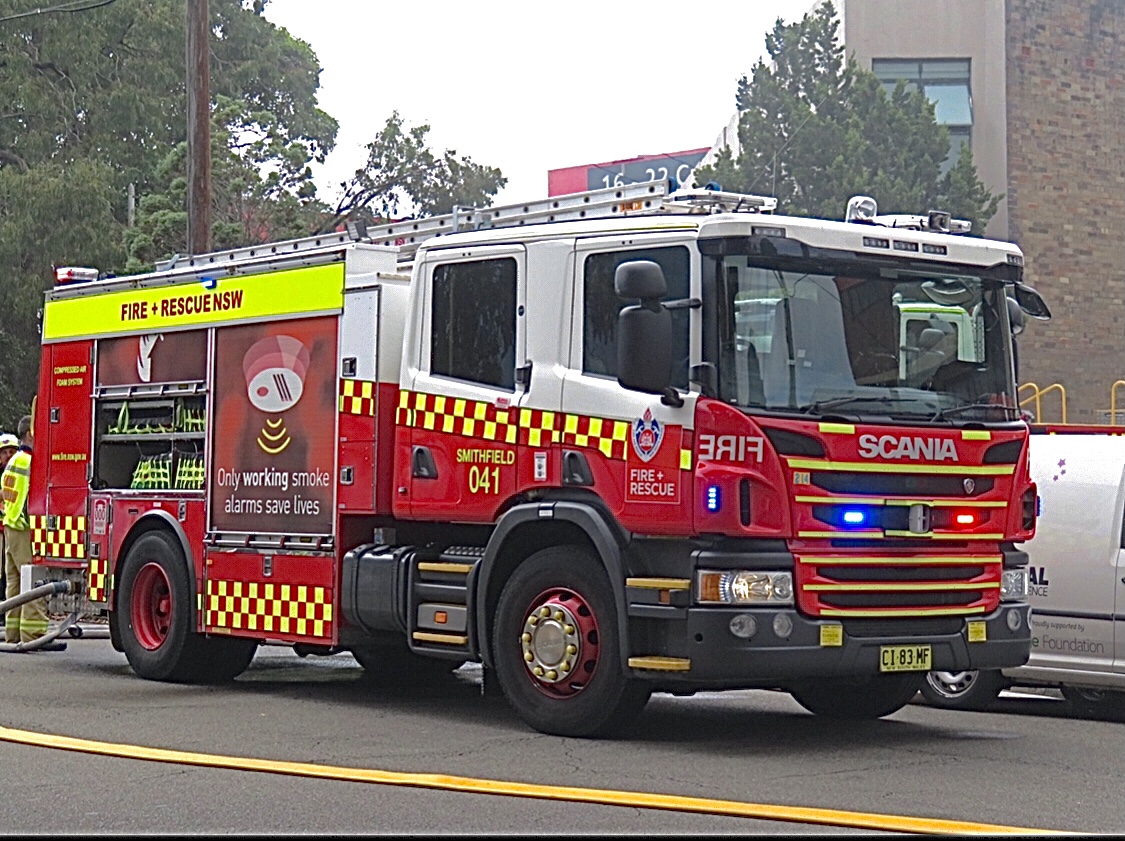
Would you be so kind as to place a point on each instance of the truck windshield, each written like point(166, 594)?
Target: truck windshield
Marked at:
point(891, 342)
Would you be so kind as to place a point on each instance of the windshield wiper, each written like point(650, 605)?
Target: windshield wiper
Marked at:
point(822, 406)
point(945, 414)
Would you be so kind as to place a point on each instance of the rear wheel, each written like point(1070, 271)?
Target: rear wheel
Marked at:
point(857, 698)
point(155, 611)
point(556, 647)
point(1093, 702)
point(155, 623)
point(971, 690)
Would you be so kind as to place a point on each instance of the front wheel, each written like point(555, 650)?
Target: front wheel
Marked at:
point(971, 690)
point(556, 647)
point(857, 698)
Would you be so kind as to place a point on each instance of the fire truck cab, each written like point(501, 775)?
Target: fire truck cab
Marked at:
point(608, 444)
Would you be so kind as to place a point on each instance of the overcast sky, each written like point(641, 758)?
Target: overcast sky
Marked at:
point(531, 86)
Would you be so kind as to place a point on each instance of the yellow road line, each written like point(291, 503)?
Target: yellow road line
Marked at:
point(603, 797)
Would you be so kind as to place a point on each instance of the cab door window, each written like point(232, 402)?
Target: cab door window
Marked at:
point(473, 316)
point(601, 307)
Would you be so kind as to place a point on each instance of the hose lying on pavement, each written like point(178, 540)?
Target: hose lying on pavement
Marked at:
point(44, 590)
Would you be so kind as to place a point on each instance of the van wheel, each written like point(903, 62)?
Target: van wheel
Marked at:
point(857, 698)
point(556, 647)
point(155, 611)
point(1093, 703)
point(971, 690)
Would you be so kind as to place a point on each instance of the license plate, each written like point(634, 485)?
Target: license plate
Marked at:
point(905, 658)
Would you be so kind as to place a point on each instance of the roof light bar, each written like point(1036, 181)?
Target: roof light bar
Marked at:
point(73, 274)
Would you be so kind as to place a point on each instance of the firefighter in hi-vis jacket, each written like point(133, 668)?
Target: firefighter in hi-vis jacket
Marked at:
point(28, 622)
point(8, 445)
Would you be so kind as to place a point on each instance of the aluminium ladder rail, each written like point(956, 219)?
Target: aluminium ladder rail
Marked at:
point(406, 236)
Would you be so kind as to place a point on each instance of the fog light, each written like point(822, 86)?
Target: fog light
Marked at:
point(782, 625)
point(743, 626)
point(1015, 621)
point(1013, 585)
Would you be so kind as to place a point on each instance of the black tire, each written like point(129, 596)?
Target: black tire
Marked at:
point(1093, 703)
point(589, 694)
point(971, 690)
point(179, 655)
point(158, 634)
point(224, 659)
point(397, 665)
point(858, 698)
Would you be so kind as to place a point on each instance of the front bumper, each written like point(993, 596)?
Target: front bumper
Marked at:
point(700, 641)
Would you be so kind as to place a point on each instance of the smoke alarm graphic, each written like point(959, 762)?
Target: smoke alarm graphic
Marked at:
point(275, 369)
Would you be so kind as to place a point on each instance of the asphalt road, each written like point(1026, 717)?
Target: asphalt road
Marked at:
point(1028, 764)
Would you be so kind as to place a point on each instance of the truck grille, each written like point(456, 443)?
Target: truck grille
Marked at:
point(899, 484)
point(888, 586)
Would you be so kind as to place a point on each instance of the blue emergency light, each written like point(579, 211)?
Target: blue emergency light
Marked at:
point(713, 500)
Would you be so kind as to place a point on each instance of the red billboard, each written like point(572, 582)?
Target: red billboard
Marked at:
point(579, 179)
point(273, 451)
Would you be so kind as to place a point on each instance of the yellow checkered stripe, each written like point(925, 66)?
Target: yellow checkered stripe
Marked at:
point(294, 609)
point(67, 541)
point(98, 580)
point(357, 397)
point(530, 427)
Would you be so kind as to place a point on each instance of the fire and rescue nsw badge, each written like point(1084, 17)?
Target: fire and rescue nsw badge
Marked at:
point(652, 471)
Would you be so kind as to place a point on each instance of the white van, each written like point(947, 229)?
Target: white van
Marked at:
point(1077, 578)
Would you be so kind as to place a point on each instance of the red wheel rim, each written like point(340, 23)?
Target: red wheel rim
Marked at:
point(152, 606)
point(560, 643)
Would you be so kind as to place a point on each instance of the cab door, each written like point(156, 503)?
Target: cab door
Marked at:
point(463, 408)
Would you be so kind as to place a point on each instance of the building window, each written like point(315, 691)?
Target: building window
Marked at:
point(946, 83)
point(474, 322)
point(601, 307)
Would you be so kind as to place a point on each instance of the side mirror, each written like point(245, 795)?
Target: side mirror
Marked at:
point(644, 331)
point(1032, 303)
point(1015, 317)
point(641, 279)
point(930, 338)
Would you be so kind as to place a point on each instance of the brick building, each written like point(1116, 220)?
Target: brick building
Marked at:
point(1038, 88)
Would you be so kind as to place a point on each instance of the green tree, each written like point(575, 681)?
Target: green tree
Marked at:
point(816, 129)
point(50, 215)
point(93, 102)
point(401, 170)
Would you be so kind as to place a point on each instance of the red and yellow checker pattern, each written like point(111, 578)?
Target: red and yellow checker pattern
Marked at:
point(67, 541)
point(357, 397)
point(283, 609)
point(98, 580)
point(530, 427)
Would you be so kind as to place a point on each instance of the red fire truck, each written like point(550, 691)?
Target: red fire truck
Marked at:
point(607, 444)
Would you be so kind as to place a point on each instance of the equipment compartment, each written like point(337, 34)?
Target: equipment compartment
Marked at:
point(150, 444)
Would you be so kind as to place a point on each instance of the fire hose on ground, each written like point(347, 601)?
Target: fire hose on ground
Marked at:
point(42, 591)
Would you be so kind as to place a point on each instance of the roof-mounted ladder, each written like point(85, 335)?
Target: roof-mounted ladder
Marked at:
point(406, 236)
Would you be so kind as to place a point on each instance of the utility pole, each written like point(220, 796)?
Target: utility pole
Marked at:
point(199, 126)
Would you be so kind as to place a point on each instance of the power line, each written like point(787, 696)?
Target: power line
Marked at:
point(65, 8)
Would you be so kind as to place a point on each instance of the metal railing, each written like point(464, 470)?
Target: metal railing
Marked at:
point(1036, 397)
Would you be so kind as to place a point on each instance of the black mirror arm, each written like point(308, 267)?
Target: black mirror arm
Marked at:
point(672, 398)
point(683, 304)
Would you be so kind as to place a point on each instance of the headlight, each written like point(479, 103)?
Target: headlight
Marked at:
point(1013, 585)
point(744, 587)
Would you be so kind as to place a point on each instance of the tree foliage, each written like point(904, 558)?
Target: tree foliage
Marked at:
point(816, 129)
point(94, 102)
point(402, 170)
